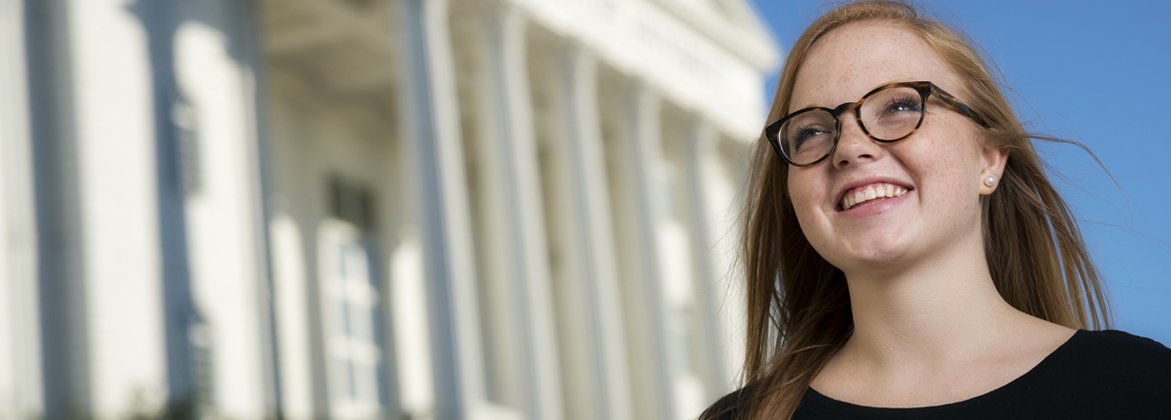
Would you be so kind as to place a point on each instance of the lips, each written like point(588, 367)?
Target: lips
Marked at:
point(868, 191)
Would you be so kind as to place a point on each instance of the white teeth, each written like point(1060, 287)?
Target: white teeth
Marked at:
point(870, 193)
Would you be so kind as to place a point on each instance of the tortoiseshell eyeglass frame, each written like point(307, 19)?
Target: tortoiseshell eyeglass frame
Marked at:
point(924, 88)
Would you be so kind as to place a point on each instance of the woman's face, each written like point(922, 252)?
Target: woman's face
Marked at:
point(941, 166)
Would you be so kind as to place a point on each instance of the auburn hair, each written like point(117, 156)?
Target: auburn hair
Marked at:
point(798, 306)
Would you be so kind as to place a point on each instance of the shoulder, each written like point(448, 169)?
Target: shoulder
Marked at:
point(1120, 348)
point(1113, 371)
point(731, 407)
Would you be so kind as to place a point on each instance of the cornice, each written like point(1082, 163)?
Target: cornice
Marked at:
point(745, 35)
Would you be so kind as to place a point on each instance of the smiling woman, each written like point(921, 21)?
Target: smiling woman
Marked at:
point(906, 255)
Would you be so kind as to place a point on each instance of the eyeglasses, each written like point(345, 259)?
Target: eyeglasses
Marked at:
point(887, 114)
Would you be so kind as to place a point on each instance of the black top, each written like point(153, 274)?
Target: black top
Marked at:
point(1094, 375)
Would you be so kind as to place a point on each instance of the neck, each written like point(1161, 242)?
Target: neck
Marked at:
point(928, 314)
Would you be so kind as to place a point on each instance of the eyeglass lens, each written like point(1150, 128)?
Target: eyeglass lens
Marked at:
point(889, 114)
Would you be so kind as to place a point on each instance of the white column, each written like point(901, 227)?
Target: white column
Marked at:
point(509, 141)
point(435, 164)
point(65, 372)
point(257, 175)
point(223, 206)
point(587, 214)
point(109, 211)
point(711, 198)
point(642, 208)
point(291, 301)
point(20, 361)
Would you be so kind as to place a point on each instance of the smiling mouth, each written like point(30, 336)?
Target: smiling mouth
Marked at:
point(870, 194)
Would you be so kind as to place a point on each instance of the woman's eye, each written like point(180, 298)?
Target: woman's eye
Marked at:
point(813, 136)
point(806, 133)
point(902, 105)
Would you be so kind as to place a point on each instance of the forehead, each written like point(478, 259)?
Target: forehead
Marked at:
point(852, 60)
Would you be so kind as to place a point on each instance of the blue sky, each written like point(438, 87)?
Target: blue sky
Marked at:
point(1098, 73)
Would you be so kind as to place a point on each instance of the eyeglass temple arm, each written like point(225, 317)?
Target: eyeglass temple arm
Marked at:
point(957, 106)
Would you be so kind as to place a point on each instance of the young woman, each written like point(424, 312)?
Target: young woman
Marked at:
point(906, 256)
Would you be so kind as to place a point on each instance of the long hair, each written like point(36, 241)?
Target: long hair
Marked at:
point(798, 304)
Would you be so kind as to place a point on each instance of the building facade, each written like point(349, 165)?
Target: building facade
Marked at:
point(361, 209)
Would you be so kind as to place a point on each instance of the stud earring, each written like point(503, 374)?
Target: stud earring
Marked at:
point(990, 181)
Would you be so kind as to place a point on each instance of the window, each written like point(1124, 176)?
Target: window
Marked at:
point(351, 305)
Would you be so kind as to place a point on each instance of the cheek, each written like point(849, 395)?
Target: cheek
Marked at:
point(956, 171)
point(806, 192)
point(800, 192)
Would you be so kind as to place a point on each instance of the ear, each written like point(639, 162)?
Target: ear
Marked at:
point(994, 160)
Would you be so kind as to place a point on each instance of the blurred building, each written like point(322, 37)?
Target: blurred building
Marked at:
point(360, 209)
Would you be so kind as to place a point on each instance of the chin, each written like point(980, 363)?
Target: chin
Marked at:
point(876, 261)
point(872, 255)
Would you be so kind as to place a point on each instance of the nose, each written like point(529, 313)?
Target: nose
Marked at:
point(854, 146)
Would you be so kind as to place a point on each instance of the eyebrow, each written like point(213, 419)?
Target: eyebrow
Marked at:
point(792, 108)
